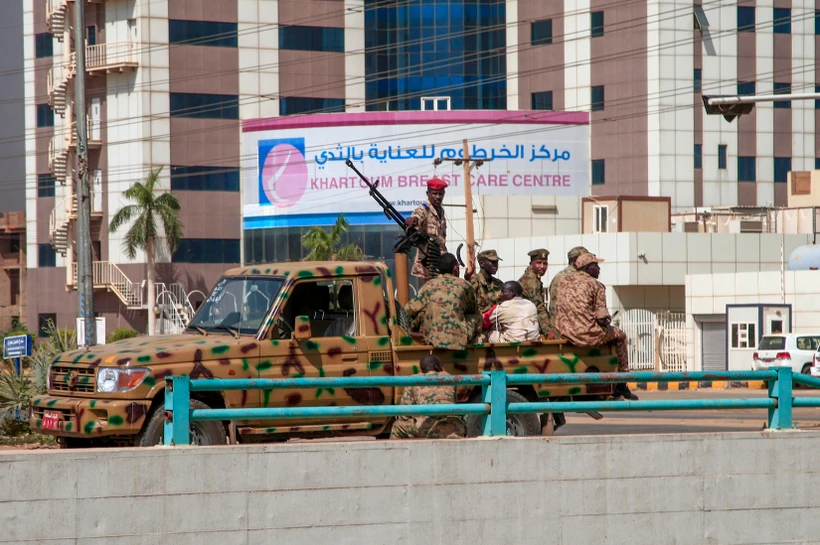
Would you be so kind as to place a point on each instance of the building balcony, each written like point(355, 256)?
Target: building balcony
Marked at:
point(110, 57)
point(93, 131)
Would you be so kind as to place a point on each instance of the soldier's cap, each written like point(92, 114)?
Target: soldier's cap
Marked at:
point(489, 255)
point(436, 184)
point(540, 253)
point(587, 259)
point(575, 252)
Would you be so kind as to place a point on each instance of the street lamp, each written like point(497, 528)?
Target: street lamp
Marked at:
point(731, 106)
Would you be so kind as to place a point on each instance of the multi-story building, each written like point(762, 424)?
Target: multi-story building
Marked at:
point(169, 82)
point(12, 270)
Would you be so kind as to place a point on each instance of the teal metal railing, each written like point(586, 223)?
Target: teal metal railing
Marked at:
point(493, 406)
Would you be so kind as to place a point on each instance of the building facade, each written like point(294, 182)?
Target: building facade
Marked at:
point(168, 84)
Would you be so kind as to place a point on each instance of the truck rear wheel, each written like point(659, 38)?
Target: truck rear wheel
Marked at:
point(518, 425)
point(202, 433)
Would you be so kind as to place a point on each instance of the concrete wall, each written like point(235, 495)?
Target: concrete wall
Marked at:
point(682, 489)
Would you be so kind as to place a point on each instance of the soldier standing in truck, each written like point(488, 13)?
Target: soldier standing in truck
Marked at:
point(534, 289)
point(583, 317)
point(572, 255)
point(487, 287)
point(429, 219)
point(441, 308)
point(429, 427)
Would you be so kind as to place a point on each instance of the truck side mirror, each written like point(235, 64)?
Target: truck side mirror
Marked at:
point(302, 331)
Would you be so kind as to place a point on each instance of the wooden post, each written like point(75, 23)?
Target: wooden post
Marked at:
point(402, 279)
point(468, 198)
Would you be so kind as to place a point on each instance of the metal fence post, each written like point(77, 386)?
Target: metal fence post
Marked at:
point(780, 417)
point(495, 424)
point(178, 411)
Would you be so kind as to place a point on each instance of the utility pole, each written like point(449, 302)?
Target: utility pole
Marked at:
point(467, 162)
point(85, 280)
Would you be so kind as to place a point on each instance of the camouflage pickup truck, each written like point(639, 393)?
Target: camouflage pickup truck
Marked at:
point(309, 319)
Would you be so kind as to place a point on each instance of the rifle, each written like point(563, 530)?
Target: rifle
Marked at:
point(428, 246)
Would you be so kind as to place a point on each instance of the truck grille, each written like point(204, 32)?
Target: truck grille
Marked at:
point(39, 412)
point(73, 379)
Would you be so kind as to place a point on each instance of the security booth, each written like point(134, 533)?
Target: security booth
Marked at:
point(746, 324)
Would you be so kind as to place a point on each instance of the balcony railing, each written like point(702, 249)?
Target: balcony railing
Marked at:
point(110, 56)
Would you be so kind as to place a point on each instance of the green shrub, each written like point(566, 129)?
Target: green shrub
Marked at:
point(122, 333)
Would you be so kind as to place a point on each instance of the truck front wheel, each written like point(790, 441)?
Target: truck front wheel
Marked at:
point(518, 425)
point(202, 433)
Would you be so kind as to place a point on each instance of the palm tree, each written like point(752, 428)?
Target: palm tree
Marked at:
point(144, 232)
point(323, 243)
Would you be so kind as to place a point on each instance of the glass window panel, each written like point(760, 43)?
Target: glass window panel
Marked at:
point(208, 33)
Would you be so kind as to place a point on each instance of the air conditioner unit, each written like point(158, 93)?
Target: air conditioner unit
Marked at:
point(746, 226)
point(687, 227)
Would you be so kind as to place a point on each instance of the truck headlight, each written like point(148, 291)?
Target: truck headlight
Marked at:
point(111, 380)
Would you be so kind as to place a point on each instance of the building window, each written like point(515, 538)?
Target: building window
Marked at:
point(782, 166)
point(43, 45)
point(203, 250)
point(782, 21)
point(45, 116)
point(596, 23)
point(817, 163)
point(746, 169)
point(722, 154)
point(597, 98)
point(312, 38)
point(783, 89)
point(600, 218)
point(15, 244)
point(208, 33)
point(45, 322)
point(305, 105)
point(816, 22)
point(204, 178)
point(745, 19)
point(745, 87)
point(598, 171)
point(46, 256)
point(743, 336)
point(698, 80)
point(542, 100)
point(698, 155)
point(817, 102)
point(204, 106)
point(14, 287)
point(45, 185)
point(541, 32)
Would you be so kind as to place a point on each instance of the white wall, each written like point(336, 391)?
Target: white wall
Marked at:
point(708, 294)
point(258, 58)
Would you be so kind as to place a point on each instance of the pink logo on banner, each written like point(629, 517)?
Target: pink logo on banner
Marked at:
point(284, 175)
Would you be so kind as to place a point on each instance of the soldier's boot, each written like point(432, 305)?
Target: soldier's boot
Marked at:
point(560, 419)
point(622, 390)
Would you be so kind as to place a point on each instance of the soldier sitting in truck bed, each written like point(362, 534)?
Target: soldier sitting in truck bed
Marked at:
point(441, 308)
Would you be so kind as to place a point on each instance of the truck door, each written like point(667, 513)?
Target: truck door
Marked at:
point(336, 348)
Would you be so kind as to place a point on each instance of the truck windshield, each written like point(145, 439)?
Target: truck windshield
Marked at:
point(237, 304)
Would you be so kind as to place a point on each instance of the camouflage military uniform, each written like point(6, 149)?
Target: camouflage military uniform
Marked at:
point(582, 303)
point(436, 227)
point(440, 309)
point(534, 291)
point(429, 427)
point(487, 293)
point(553, 307)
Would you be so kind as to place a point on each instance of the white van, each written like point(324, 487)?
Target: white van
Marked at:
point(794, 350)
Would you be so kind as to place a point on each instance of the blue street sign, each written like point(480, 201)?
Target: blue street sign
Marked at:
point(18, 346)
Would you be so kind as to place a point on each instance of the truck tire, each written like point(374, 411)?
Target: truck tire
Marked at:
point(202, 433)
point(518, 425)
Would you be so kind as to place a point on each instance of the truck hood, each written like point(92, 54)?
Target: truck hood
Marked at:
point(162, 350)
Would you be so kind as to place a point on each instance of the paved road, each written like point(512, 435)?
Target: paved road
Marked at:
point(702, 421)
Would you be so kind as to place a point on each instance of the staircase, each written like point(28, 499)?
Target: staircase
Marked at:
point(108, 276)
point(55, 17)
point(59, 76)
point(176, 310)
point(60, 223)
point(58, 156)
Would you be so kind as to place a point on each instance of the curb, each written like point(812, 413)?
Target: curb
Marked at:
point(704, 385)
